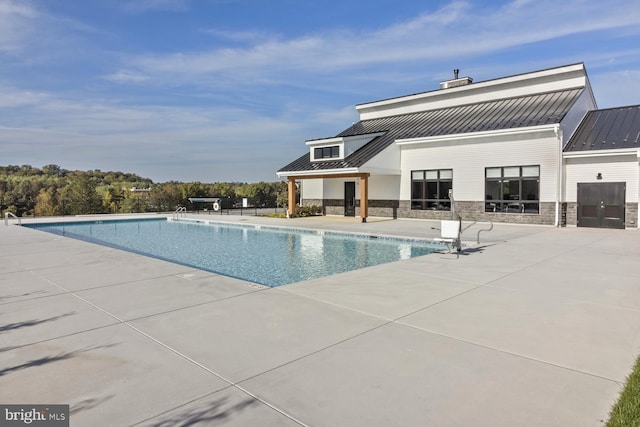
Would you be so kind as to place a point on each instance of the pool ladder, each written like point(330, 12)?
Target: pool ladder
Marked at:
point(180, 211)
point(6, 218)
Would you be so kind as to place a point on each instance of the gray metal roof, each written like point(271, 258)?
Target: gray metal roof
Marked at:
point(608, 129)
point(532, 110)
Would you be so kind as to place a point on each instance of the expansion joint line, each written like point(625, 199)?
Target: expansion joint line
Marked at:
point(173, 350)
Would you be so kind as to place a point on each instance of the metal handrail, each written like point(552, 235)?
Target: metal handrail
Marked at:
point(6, 218)
point(180, 210)
point(485, 229)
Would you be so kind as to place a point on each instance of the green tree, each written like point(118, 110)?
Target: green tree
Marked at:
point(112, 198)
point(80, 196)
point(261, 193)
point(47, 203)
point(165, 197)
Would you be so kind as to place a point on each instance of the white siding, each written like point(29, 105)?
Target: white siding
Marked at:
point(386, 162)
point(312, 189)
point(334, 188)
point(383, 187)
point(468, 159)
point(623, 168)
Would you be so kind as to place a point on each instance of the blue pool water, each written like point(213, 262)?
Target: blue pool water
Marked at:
point(266, 255)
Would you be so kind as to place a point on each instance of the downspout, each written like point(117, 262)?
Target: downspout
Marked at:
point(558, 132)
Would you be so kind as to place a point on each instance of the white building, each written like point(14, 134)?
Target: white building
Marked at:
point(530, 148)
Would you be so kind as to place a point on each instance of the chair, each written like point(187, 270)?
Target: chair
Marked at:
point(450, 231)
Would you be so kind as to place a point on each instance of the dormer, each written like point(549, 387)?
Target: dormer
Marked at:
point(338, 148)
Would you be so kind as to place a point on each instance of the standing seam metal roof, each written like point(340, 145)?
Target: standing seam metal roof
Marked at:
point(613, 128)
point(531, 110)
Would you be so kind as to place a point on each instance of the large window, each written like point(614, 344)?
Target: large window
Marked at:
point(326, 152)
point(513, 189)
point(430, 189)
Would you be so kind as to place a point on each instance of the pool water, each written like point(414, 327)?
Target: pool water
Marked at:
point(270, 256)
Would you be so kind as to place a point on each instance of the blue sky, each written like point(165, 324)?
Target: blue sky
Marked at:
point(229, 90)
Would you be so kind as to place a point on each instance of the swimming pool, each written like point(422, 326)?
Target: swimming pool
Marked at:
point(271, 256)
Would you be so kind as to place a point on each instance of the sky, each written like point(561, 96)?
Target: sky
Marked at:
point(229, 90)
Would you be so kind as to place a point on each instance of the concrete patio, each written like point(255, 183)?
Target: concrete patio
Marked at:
point(535, 326)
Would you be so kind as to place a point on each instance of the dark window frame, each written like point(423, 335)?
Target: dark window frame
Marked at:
point(330, 152)
point(511, 193)
point(437, 187)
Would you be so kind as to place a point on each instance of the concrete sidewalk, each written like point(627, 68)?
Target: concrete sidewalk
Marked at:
point(534, 326)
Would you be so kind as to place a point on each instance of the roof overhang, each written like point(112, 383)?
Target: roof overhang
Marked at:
point(475, 135)
point(345, 139)
point(320, 173)
point(325, 175)
point(204, 199)
point(602, 153)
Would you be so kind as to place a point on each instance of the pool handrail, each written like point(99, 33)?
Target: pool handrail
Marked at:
point(6, 218)
point(180, 211)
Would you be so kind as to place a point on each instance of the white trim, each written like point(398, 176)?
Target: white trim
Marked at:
point(318, 172)
point(343, 139)
point(502, 80)
point(327, 141)
point(381, 171)
point(602, 153)
point(475, 135)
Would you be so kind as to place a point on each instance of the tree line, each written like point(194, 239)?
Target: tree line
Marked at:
point(51, 191)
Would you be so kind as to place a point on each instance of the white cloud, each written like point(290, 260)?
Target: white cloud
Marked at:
point(124, 76)
point(15, 24)
point(140, 6)
point(240, 36)
point(153, 141)
point(191, 114)
point(453, 31)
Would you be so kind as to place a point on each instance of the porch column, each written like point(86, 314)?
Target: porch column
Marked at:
point(292, 195)
point(364, 197)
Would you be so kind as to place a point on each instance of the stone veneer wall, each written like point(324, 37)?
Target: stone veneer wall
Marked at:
point(475, 211)
point(631, 215)
point(470, 211)
point(381, 208)
point(572, 213)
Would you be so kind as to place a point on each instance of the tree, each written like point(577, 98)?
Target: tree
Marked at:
point(47, 203)
point(80, 196)
point(165, 197)
point(53, 170)
point(112, 198)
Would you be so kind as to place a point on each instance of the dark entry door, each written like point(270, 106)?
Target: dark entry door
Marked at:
point(601, 204)
point(350, 198)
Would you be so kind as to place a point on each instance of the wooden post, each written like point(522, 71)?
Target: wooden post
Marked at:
point(364, 197)
point(292, 196)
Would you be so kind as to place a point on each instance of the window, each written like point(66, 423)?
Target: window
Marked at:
point(326, 152)
point(430, 189)
point(514, 189)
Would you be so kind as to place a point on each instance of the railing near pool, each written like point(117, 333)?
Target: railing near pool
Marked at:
point(6, 218)
point(180, 211)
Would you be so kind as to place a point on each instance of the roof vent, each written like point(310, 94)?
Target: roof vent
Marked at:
point(457, 81)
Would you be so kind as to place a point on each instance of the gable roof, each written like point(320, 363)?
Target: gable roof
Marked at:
point(608, 129)
point(509, 113)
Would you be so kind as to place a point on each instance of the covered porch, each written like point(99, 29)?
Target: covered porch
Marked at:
point(364, 189)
